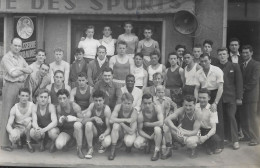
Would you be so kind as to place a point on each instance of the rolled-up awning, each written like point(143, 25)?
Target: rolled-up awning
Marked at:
point(133, 7)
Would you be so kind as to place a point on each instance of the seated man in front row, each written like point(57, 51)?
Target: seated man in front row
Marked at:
point(44, 121)
point(20, 120)
point(150, 122)
point(97, 118)
point(124, 123)
point(69, 117)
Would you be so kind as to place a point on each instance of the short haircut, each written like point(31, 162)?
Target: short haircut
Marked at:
point(79, 50)
point(102, 47)
point(245, 47)
point(108, 69)
point(26, 90)
point(129, 76)
point(43, 90)
point(107, 26)
point(128, 22)
point(180, 46)
point(172, 53)
point(58, 50)
point(122, 43)
point(98, 94)
point(147, 96)
point(205, 55)
point(40, 50)
point(58, 71)
point(222, 49)
point(187, 52)
point(127, 96)
point(234, 39)
point(45, 64)
point(139, 54)
point(148, 27)
point(90, 27)
point(197, 46)
point(210, 42)
point(155, 52)
point(157, 74)
point(204, 90)
point(63, 92)
point(12, 40)
point(159, 87)
point(82, 74)
point(189, 98)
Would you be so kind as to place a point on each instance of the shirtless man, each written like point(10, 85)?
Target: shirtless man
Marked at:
point(44, 121)
point(69, 117)
point(124, 123)
point(97, 125)
point(20, 120)
point(150, 122)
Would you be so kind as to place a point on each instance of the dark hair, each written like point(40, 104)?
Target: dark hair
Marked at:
point(180, 46)
point(40, 50)
point(204, 90)
point(129, 76)
point(139, 54)
point(43, 90)
point(63, 92)
point(156, 74)
point(58, 50)
point(189, 98)
point(98, 94)
point(128, 22)
point(245, 47)
point(197, 46)
point(12, 40)
point(148, 27)
point(234, 39)
point(172, 53)
point(205, 55)
point(90, 27)
point(187, 52)
point(26, 90)
point(45, 64)
point(82, 74)
point(102, 47)
point(210, 42)
point(122, 43)
point(58, 71)
point(107, 26)
point(147, 96)
point(108, 69)
point(155, 52)
point(127, 96)
point(222, 49)
point(78, 51)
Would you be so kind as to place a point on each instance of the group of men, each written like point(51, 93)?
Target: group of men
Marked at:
point(95, 99)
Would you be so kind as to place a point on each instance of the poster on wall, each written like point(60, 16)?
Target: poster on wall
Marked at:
point(25, 28)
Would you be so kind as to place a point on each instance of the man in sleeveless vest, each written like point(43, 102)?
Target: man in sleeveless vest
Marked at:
point(108, 42)
point(82, 93)
point(149, 123)
point(97, 125)
point(69, 117)
point(186, 130)
point(20, 120)
point(124, 123)
point(44, 121)
point(96, 67)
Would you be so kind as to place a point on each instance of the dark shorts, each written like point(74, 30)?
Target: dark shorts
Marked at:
point(67, 128)
point(148, 130)
point(100, 128)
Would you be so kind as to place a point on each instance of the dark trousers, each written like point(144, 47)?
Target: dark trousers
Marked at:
point(230, 123)
point(213, 142)
point(220, 125)
point(249, 121)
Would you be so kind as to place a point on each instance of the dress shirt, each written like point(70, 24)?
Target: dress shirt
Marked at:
point(101, 62)
point(234, 57)
point(206, 116)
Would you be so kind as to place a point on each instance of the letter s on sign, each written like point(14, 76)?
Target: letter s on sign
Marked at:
point(98, 4)
point(71, 5)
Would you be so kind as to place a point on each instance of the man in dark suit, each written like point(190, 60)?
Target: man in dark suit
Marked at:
point(232, 94)
point(234, 45)
point(207, 48)
point(251, 72)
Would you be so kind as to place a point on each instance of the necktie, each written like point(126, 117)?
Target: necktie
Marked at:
point(244, 66)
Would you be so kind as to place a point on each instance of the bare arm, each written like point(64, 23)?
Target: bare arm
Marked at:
point(77, 110)
point(181, 72)
point(10, 121)
point(107, 115)
point(112, 62)
point(114, 115)
point(72, 94)
point(219, 93)
point(174, 116)
point(140, 127)
point(130, 130)
point(158, 123)
point(157, 47)
point(67, 72)
point(54, 120)
point(139, 47)
point(34, 118)
point(145, 79)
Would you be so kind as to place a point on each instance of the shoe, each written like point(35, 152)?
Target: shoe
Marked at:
point(155, 156)
point(147, 148)
point(90, 153)
point(101, 149)
point(175, 146)
point(42, 148)
point(112, 152)
point(209, 151)
point(252, 143)
point(80, 153)
point(65, 148)
point(7, 148)
point(167, 154)
point(19, 145)
point(236, 145)
point(244, 139)
point(29, 147)
point(52, 148)
point(193, 153)
point(128, 149)
point(217, 151)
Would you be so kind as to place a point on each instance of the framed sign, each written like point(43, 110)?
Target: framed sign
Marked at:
point(25, 28)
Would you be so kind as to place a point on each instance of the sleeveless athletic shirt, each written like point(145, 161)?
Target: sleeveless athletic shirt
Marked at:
point(153, 118)
point(82, 99)
point(190, 75)
point(121, 115)
point(68, 125)
point(103, 127)
point(173, 79)
point(147, 50)
point(139, 74)
point(121, 70)
point(187, 123)
point(152, 71)
point(43, 120)
point(109, 46)
point(53, 94)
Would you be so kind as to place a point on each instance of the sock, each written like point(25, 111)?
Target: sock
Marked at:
point(157, 149)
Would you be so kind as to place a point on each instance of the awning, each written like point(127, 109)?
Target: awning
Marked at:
point(133, 7)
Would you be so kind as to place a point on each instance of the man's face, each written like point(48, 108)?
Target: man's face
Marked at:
point(173, 59)
point(180, 52)
point(203, 99)
point(24, 97)
point(188, 106)
point(160, 93)
point(197, 52)
point(130, 82)
point(157, 80)
point(223, 56)
point(16, 46)
point(42, 99)
point(188, 59)
point(101, 53)
point(234, 46)
point(138, 61)
point(121, 49)
point(82, 81)
point(127, 105)
point(79, 56)
point(207, 48)
point(205, 62)
point(98, 102)
point(44, 70)
point(147, 103)
point(63, 100)
point(154, 59)
point(246, 54)
point(40, 57)
point(107, 77)
point(90, 33)
point(58, 56)
point(148, 34)
point(107, 31)
point(59, 78)
point(128, 28)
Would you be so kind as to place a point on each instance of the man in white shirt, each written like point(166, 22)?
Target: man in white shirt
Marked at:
point(234, 45)
point(40, 59)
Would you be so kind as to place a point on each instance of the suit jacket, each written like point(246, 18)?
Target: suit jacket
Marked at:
point(251, 81)
point(151, 90)
point(233, 82)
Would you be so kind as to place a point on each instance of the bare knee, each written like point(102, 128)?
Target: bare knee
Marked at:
point(116, 127)
point(89, 126)
point(129, 140)
point(77, 125)
point(53, 133)
point(166, 129)
point(107, 141)
point(191, 142)
point(157, 131)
